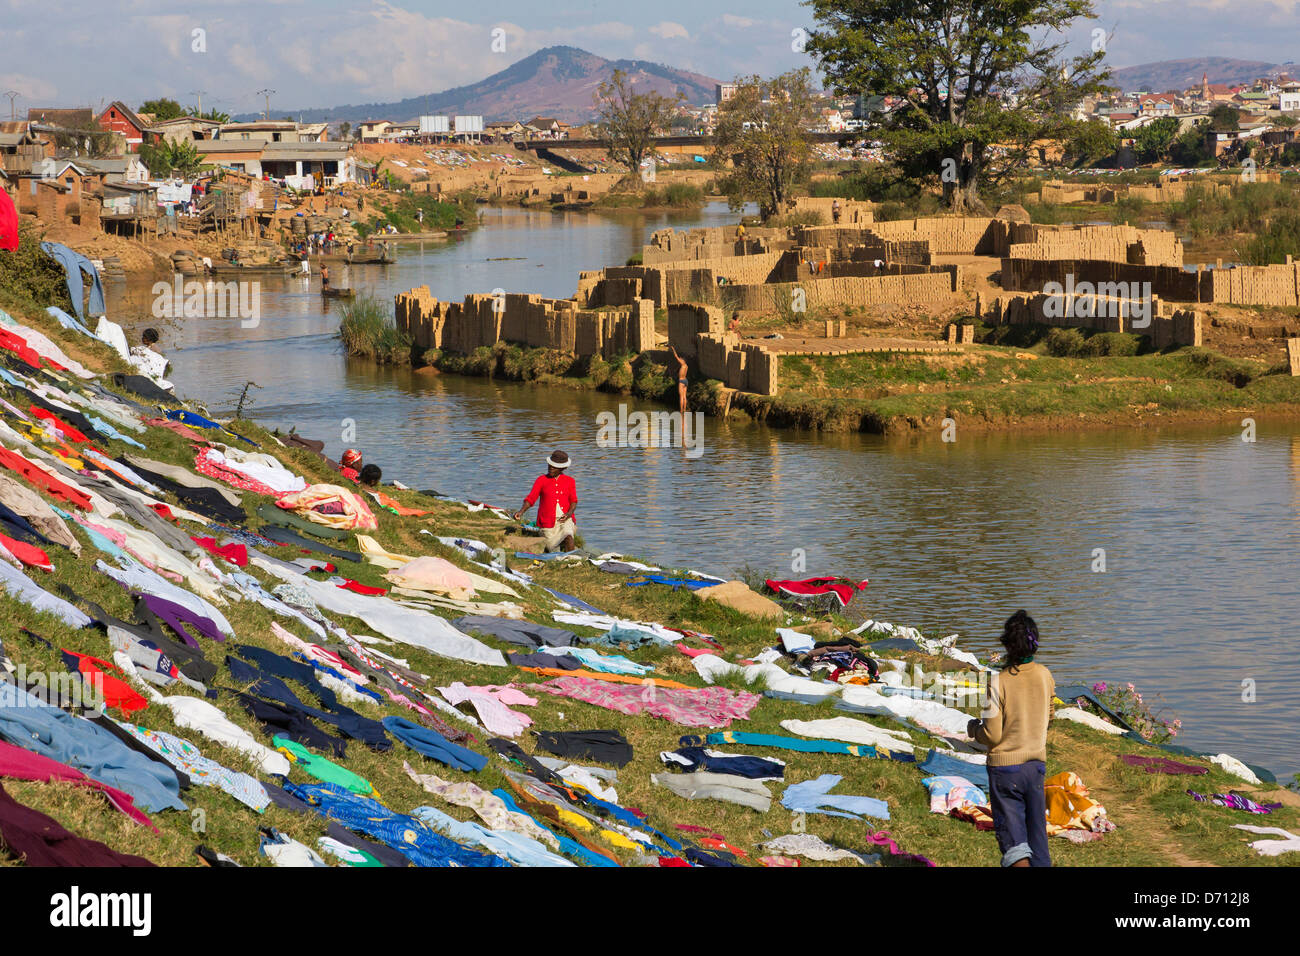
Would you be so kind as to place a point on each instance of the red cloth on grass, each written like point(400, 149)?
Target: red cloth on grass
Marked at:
point(19, 346)
point(117, 693)
point(28, 554)
point(41, 479)
point(236, 554)
point(810, 587)
point(71, 434)
point(351, 585)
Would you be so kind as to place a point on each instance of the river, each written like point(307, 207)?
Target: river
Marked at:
point(1199, 529)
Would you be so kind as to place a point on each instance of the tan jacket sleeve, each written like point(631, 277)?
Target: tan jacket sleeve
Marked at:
point(988, 729)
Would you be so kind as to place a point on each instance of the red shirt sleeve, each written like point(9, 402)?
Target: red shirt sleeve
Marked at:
point(537, 490)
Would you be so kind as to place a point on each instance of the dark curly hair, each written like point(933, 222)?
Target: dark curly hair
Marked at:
point(1020, 638)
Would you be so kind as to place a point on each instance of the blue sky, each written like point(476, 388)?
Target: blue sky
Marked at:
point(331, 52)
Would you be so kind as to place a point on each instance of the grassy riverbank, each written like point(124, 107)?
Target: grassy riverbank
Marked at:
point(988, 387)
point(402, 211)
point(1158, 824)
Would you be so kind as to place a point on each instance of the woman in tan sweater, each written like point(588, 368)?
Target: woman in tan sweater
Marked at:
point(1013, 726)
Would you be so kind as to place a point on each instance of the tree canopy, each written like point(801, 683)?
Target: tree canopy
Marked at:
point(630, 120)
point(162, 109)
point(763, 130)
point(978, 83)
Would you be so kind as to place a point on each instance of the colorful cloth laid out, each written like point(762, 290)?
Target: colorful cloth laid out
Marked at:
point(953, 793)
point(352, 512)
point(692, 707)
point(814, 796)
point(1070, 808)
point(491, 704)
point(185, 757)
point(28, 554)
point(411, 837)
point(609, 678)
point(20, 764)
point(322, 769)
point(206, 466)
point(433, 574)
point(843, 589)
point(883, 839)
point(1235, 801)
point(1163, 765)
point(786, 743)
point(489, 808)
point(395, 507)
point(44, 480)
point(607, 663)
point(236, 554)
point(810, 846)
point(115, 694)
point(691, 584)
point(703, 785)
point(433, 745)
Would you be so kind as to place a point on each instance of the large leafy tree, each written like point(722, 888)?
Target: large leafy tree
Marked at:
point(1088, 143)
point(978, 82)
point(762, 129)
point(1153, 142)
point(629, 120)
point(162, 109)
point(170, 156)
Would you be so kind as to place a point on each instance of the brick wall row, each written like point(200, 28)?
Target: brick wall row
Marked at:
point(1277, 284)
point(747, 368)
point(903, 291)
point(485, 320)
point(1097, 313)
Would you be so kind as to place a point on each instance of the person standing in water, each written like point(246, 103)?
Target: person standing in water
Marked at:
point(682, 372)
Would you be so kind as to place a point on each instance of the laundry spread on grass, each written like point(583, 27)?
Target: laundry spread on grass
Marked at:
point(236, 612)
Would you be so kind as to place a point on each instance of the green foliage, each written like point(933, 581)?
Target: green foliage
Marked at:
point(1225, 118)
point(1089, 142)
point(170, 156)
point(162, 108)
point(1192, 148)
point(1064, 343)
point(367, 329)
point(30, 279)
point(1277, 240)
point(1126, 701)
point(1152, 142)
point(438, 213)
point(949, 65)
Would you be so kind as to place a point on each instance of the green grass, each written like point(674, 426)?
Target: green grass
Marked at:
point(992, 387)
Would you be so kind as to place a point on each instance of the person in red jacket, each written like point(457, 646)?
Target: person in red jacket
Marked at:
point(558, 494)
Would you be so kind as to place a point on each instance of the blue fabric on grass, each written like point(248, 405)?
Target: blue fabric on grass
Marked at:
point(431, 744)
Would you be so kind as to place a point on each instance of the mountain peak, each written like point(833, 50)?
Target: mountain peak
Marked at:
point(558, 81)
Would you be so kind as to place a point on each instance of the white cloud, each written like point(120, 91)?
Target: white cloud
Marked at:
point(669, 30)
point(742, 23)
